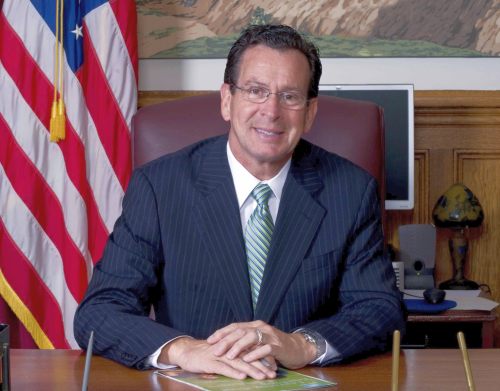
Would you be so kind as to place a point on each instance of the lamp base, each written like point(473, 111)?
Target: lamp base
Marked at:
point(457, 285)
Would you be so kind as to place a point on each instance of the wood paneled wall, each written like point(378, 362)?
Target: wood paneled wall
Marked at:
point(457, 139)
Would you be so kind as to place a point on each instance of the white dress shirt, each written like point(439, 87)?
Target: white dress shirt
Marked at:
point(244, 183)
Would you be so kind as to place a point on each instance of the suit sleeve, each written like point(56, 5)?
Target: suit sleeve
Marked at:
point(370, 306)
point(118, 300)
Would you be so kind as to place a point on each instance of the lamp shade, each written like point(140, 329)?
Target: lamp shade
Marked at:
point(458, 208)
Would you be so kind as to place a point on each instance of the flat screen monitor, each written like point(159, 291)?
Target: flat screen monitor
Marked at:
point(397, 102)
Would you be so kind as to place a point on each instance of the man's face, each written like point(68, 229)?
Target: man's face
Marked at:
point(263, 135)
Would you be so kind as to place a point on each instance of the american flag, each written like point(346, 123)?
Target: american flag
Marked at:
point(59, 200)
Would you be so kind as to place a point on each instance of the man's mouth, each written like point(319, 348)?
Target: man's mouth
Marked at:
point(267, 132)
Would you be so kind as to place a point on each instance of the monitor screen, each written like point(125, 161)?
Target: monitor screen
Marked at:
point(397, 103)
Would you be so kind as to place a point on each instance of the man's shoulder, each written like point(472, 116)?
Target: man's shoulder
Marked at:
point(189, 156)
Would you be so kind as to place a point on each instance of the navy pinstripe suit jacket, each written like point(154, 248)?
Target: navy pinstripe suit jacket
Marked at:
point(179, 246)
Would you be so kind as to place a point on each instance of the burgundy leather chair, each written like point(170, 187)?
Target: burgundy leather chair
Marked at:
point(352, 129)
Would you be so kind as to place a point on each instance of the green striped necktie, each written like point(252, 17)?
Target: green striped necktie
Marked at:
point(258, 235)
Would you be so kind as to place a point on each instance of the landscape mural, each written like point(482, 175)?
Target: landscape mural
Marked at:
point(340, 28)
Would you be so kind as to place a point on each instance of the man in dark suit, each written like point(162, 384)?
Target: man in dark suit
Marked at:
point(253, 248)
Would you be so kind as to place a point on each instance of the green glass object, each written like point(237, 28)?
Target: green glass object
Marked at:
point(458, 209)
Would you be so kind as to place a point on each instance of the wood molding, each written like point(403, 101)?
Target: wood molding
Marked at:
point(457, 98)
point(462, 155)
point(422, 208)
point(424, 99)
point(146, 98)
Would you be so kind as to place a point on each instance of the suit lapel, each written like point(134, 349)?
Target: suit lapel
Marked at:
point(219, 221)
point(298, 220)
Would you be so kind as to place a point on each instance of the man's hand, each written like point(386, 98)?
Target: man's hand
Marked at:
point(242, 340)
point(198, 356)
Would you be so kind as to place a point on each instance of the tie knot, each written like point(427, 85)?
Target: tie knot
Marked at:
point(261, 193)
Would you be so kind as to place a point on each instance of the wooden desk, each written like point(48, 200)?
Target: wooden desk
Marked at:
point(420, 370)
point(451, 322)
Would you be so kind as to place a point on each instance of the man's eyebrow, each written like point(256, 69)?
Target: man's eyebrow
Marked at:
point(253, 82)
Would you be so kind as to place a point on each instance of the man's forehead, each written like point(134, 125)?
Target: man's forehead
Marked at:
point(255, 67)
point(251, 50)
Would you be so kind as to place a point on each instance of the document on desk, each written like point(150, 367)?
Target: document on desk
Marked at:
point(466, 300)
point(285, 380)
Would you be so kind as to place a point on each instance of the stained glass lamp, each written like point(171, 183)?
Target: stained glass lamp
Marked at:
point(458, 209)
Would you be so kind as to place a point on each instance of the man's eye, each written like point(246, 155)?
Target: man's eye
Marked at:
point(256, 91)
point(290, 97)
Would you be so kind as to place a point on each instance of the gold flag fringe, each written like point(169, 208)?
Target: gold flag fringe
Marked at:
point(24, 314)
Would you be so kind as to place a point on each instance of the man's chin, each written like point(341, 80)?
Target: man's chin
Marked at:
point(273, 158)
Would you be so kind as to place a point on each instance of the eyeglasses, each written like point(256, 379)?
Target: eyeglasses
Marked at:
point(287, 99)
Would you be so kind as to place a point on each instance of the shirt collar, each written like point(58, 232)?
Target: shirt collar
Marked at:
point(244, 182)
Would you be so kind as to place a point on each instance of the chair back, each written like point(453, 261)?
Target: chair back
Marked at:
point(350, 128)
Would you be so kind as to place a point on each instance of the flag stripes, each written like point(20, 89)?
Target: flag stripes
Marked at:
point(31, 260)
point(35, 193)
point(58, 202)
point(106, 114)
point(120, 75)
point(127, 23)
point(105, 185)
point(26, 74)
point(31, 301)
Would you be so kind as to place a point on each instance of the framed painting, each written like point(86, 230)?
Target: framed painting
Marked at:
point(205, 29)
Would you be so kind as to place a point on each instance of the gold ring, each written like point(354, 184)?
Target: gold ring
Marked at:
point(260, 336)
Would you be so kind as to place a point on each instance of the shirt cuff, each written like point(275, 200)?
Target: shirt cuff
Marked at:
point(330, 352)
point(152, 359)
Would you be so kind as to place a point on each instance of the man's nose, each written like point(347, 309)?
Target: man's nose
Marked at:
point(272, 106)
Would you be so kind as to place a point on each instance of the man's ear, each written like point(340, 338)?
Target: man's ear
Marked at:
point(225, 101)
point(311, 109)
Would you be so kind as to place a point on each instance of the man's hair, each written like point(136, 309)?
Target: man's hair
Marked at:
point(278, 37)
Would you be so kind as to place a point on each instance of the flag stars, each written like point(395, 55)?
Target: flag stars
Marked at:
point(78, 32)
